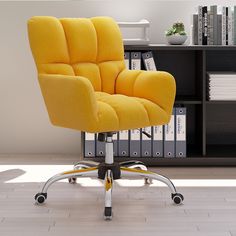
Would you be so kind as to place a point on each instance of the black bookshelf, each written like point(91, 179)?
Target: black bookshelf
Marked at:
point(211, 125)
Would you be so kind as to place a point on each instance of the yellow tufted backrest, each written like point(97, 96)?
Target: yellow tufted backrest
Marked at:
point(92, 48)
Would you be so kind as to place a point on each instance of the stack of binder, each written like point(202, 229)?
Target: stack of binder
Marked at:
point(175, 134)
point(221, 86)
point(164, 141)
point(133, 60)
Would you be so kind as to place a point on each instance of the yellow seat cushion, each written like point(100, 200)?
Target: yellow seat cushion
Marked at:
point(124, 112)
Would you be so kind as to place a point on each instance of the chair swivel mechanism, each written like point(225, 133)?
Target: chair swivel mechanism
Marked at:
point(86, 87)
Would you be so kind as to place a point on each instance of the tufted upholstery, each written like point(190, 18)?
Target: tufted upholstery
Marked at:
point(84, 81)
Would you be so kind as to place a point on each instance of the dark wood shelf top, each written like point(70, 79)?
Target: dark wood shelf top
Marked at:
point(178, 47)
point(220, 102)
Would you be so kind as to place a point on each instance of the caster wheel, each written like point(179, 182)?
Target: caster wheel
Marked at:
point(147, 181)
point(72, 180)
point(177, 198)
point(108, 213)
point(40, 198)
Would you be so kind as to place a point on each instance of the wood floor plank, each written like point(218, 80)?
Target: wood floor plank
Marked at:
point(122, 229)
point(23, 230)
point(220, 225)
point(233, 232)
point(25, 222)
point(141, 233)
point(138, 209)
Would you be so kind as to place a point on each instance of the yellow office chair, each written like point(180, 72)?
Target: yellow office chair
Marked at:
point(86, 87)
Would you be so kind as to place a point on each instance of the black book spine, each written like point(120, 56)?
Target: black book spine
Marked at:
point(204, 25)
point(227, 26)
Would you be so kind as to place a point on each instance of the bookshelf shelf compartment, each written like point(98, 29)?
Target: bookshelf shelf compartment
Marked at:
point(221, 130)
point(211, 129)
point(221, 151)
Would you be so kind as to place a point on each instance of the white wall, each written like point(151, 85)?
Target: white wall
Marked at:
point(24, 124)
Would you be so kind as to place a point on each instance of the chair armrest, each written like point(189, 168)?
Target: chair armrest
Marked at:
point(156, 86)
point(70, 100)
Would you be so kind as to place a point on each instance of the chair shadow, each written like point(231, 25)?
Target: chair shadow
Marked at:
point(10, 174)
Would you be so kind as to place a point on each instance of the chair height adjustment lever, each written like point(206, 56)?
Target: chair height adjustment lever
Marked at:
point(147, 134)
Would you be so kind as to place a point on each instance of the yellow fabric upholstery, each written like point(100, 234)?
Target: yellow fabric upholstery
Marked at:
point(156, 86)
point(84, 82)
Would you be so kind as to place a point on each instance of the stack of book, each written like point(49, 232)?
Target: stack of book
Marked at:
point(214, 26)
point(221, 86)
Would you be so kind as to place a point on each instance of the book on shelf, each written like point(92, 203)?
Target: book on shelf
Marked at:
point(231, 26)
point(199, 25)
point(214, 25)
point(169, 137)
point(234, 25)
point(219, 29)
point(204, 25)
point(115, 144)
point(210, 28)
point(146, 142)
point(135, 61)
point(221, 86)
point(224, 30)
point(123, 143)
point(157, 141)
point(89, 144)
point(149, 61)
point(180, 131)
point(135, 143)
point(100, 148)
point(127, 60)
point(195, 30)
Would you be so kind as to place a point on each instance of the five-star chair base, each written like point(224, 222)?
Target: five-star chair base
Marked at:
point(109, 171)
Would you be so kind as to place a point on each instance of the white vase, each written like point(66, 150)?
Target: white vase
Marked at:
point(176, 39)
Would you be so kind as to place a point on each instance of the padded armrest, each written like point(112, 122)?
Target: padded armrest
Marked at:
point(156, 86)
point(70, 100)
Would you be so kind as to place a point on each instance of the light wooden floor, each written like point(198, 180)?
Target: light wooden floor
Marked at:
point(209, 208)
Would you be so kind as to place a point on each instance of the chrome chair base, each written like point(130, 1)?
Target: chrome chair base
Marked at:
point(87, 169)
point(109, 171)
